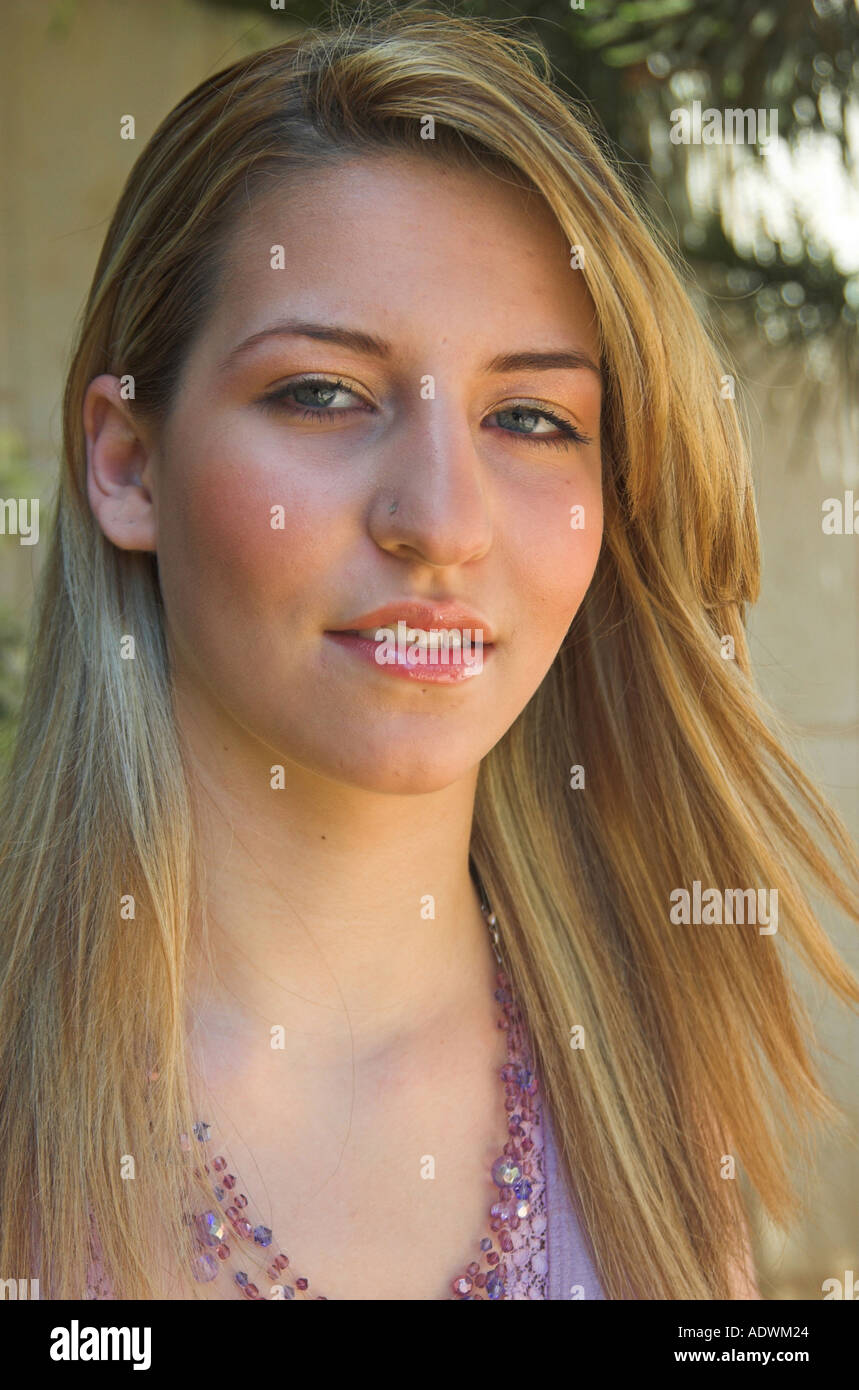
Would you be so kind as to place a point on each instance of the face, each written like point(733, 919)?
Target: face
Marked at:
point(303, 482)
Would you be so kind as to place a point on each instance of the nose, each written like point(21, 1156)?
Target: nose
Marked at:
point(441, 487)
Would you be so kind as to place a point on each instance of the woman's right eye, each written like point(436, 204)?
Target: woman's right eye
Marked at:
point(320, 391)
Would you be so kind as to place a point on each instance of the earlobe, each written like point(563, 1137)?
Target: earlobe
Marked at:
point(119, 471)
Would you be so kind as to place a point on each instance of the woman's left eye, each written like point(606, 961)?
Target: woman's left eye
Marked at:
point(323, 391)
point(567, 433)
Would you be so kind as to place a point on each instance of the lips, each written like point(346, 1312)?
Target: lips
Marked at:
point(425, 617)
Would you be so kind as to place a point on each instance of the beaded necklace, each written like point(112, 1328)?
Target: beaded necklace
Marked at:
point(512, 1172)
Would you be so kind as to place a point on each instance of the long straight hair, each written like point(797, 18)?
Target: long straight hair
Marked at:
point(696, 1044)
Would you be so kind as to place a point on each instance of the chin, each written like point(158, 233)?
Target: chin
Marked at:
point(399, 767)
point(406, 781)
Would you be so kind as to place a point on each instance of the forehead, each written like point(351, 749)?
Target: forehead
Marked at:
point(411, 243)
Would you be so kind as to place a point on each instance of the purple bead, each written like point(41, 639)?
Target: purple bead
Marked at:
point(241, 1278)
point(486, 1243)
point(201, 1130)
point(205, 1268)
point(494, 1285)
point(210, 1227)
point(523, 1189)
point(262, 1235)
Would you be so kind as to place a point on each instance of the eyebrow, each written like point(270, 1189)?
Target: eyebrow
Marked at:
point(371, 346)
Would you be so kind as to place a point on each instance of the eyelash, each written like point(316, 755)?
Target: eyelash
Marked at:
point(279, 400)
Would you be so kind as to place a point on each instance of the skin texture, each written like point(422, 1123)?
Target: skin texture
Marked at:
point(315, 891)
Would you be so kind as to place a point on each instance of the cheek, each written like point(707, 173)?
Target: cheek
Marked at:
point(237, 541)
point(558, 540)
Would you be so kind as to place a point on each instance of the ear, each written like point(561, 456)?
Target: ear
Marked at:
point(120, 475)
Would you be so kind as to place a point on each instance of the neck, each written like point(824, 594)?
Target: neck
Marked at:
point(346, 916)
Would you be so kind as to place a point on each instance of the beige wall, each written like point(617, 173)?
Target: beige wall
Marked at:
point(69, 72)
point(805, 644)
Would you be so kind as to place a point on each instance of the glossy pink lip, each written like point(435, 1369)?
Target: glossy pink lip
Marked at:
point(422, 615)
point(456, 670)
point(427, 616)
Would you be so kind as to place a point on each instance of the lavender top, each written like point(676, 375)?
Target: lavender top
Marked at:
point(570, 1258)
point(550, 1256)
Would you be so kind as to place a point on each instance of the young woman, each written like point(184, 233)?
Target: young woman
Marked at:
point(381, 365)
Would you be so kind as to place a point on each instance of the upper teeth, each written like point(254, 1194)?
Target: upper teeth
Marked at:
point(432, 637)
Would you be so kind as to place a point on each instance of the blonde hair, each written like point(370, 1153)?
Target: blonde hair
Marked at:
point(695, 1040)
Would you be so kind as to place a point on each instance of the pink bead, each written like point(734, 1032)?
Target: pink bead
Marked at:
point(232, 1213)
point(244, 1227)
point(473, 1268)
point(251, 1291)
point(480, 1280)
point(229, 1181)
point(462, 1285)
point(219, 1164)
point(223, 1252)
point(281, 1261)
point(301, 1283)
point(241, 1200)
point(506, 1242)
point(492, 1258)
